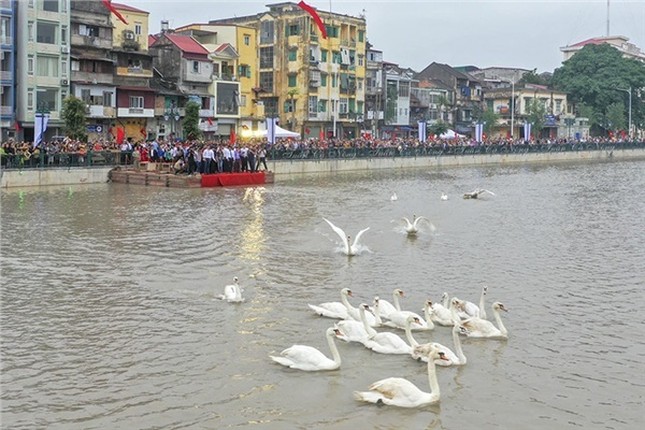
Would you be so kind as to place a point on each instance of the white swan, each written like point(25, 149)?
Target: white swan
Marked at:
point(398, 319)
point(383, 342)
point(335, 309)
point(482, 303)
point(385, 307)
point(401, 392)
point(394, 197)
point(412, 227)
point(444, 196)
point(481, 328)
point(452, 359)
point(349, 248)
point(308, 358)
point(438, 313)
point(355, 330)
point(232, 292)
point(469, 309)
point(475, 194)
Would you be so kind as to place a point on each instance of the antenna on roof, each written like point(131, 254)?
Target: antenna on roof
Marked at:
point(607, 18)
point(164, 26)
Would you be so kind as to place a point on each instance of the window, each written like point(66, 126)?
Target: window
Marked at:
point(85, 95)
point(50, 5)
point(361, 60)
point(342, 105)
point(134, 64)
point(63, 35)
point(47, 66)
point(88, 30)
point(404, 89)
point(334, 81)
point(47, 99)
point(30, 99)
point(63, 68)
point(5, 30)
point(322, 105)
point(332, 31)
point(558, 106)
point(323, 55)
point(76, 65)
point(266, 32)
point(361, 36)
point(136, 102)
point(46, 33)
point(244, 71)
point(360, 84)
point(293, 80)
point(323, 80)
point(293, 55)
point(266, 81)
point(31, 3)
point(30, 65)
point(289, 106)
point(195, 66)
point(30, 31)
point(313, 105)
point(107, 98)
point(293, 30)
point(137, 28)
point(266, 57)
point(335, 57)
point(243, 100)
point(247, 39)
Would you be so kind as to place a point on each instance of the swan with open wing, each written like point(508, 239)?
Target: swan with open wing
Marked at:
point(348, 248)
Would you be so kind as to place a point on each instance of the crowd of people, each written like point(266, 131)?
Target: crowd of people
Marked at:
point(206, 157)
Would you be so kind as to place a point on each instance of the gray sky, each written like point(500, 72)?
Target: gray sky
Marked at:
point(517, 33)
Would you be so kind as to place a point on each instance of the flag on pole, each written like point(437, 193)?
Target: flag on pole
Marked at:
point(319, 22)
point(17, 126)
point(40, 127)
point(232, 137)
point(111, 8)
point(527, 131)
point(423, 137)
point(271, 125)
point(479, 132)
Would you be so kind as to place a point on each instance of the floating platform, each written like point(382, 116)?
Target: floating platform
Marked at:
point(167, 179)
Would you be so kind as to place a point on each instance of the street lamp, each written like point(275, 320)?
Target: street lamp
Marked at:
point(629, 91)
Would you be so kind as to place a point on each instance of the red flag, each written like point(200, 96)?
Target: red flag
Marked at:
point(321, 135)
point(108, 5)
point(319, 22)
point(232, 137)
point(210, 121)
point(143, 131)
point(17, 126)
point(120, 135)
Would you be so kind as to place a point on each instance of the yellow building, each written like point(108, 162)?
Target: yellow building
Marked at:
point(315, 86)
point(233, 51)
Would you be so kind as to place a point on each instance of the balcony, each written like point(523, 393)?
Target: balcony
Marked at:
point(98, 78)
point(95, 111)
point(127, 112)
point(5, 4)
point(6, 40)
point(6, 76)
point(6, 111)
point(137, 72)
point(206, 113)
point(93, 41)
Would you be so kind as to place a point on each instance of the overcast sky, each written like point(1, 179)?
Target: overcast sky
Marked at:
point(484, 33)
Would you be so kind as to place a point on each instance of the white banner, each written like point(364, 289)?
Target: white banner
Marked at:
point(40, 127)
point(423, 136)
point(271, 123)
point(479, 132)
point(527, 131)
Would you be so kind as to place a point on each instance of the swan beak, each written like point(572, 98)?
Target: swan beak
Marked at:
point(442, 356)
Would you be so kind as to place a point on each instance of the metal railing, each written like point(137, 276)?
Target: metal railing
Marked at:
point(66, 159)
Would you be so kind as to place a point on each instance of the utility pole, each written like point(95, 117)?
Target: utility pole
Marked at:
point(629, 127)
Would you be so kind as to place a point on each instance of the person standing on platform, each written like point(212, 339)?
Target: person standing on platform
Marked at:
point(250, 155)
point(208, 156)
point(262, 159)
point(237, 160)
point(244, 159)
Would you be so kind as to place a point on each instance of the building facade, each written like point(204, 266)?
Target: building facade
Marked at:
point(313, 85)
point(8, 124)
point(629, 50)
point(42, 64)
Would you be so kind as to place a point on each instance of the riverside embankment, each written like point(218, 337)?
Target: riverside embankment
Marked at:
point(283, 168)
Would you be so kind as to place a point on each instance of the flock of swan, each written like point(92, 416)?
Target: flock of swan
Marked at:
point(359, 324)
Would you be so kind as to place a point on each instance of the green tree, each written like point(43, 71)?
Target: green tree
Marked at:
point(73, 115)
point(439, 128)
point(594, 75)
point(535, 111)
point(489, 118)
point(191, 121)
point(615, 117)
point(533, 78)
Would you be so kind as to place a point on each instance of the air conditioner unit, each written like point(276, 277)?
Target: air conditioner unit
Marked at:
point(129, 35)
point(64, 82)
point(64, 49)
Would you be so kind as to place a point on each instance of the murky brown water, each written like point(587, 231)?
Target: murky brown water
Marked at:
point(109, 317)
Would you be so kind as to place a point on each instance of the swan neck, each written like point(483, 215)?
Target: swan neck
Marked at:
point(395, 299)
point(482, 305)
point(432, 379)
point(457, 342)
point(370, 331)
point(500, 324)
point(334, 349)
point(446, 300)
point(408, 335)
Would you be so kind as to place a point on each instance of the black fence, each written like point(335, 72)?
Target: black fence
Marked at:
point(117, 158)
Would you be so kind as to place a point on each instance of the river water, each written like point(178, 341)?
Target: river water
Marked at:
point(110, 318)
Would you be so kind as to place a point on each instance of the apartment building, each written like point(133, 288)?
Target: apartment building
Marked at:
point(313, 85)
point(622, 43)
point(374, 94)
point(8, 124)
point(42, 64)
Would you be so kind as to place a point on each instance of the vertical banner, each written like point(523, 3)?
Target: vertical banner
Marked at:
point(423, 137)
point(527, 131)
point(40, 127)
point(271, 123)
point(479, 132)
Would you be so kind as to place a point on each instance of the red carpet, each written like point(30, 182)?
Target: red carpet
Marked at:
point(231, 179)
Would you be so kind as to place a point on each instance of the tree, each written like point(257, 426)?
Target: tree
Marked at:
point(535, 111)
point(439, 128)
point(595, 74)
point(533, 78)
point(489, 118)
point(73, 115)
point(615, 117)
point(191, 121)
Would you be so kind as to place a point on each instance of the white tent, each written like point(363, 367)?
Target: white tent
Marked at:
point(450, 134)
point(281, 133)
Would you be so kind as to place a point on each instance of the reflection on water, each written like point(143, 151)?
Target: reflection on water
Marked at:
point(110, 318)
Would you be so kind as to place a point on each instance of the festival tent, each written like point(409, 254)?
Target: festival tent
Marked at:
point(280, 133)
point(450, 134)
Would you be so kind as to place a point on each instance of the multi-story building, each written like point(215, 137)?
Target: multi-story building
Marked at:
point(503, 100)
point(374, 94)
point(313, 85)
point(7, 69)
point(495, 77)
point(398, 82)
point(428, 102)
point(135, 101)
point(42, 64)
point(629, 50)
point(233, 51)
point(92, 67)
point(468, 94)
point(182, 60)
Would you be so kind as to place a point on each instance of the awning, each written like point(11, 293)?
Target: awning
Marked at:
point(141, 89)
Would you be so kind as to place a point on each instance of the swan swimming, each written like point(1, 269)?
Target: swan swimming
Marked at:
point(475, 194)
point(383, 342)
point(420, 352)
point(308, 358)
point(394, 197)
point(349, 248)
point(412, 227)
point(232, 292)
point(403, 393)
point(444, 196)
point(481, 328)
point(335, 309)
